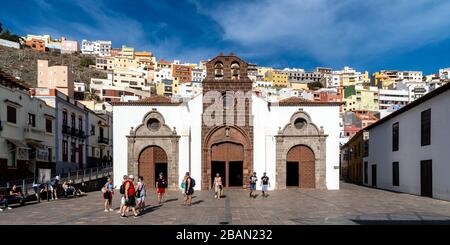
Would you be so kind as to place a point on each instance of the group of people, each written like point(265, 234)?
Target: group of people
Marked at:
point(132, 195)
point(265, 184)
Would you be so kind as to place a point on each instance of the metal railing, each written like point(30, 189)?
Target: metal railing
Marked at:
point(77, 177)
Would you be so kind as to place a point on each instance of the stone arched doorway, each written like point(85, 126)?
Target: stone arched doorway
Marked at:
point(301, 141)
point(227, 159)
point(152, 161)
point(300, 167)
point(227, 149)
point(154, 144)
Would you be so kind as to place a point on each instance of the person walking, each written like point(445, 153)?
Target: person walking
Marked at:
point(218, 187)
point(130, 196)
point(265, 185)
point(108, 191)
point(122, 195)
point(141, 194)
point(189, 190)
point(54, 188)
point(253, 180)
point(161, 185)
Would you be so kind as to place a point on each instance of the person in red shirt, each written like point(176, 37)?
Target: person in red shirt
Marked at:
point(130, 196)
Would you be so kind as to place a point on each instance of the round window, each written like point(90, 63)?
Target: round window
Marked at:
point(299, 123)
point(153, 124)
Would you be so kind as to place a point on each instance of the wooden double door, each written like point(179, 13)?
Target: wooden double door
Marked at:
point(152, 162)
point(300, 167)
point(227, 159)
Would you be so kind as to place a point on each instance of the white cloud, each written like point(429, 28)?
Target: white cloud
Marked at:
point(330, 30)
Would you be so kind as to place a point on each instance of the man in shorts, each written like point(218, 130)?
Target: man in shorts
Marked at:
point(265, 185)
point(253, 180)
point(130, 196)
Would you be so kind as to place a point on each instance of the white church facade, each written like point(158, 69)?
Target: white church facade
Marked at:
point(228, 130)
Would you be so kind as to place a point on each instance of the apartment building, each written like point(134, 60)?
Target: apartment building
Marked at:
point(55, 77)
point(100, 48)
point(182, 73)
point(27, 131)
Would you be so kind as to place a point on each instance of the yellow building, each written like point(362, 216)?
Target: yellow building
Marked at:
point(361, 98)
point(165, 88)
point(280, 79)
point(128, 52)
point(384, 79)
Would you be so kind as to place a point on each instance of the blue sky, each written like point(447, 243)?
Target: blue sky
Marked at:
point(367, 35)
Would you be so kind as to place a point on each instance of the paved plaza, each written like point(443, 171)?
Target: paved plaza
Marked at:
point(350, 205)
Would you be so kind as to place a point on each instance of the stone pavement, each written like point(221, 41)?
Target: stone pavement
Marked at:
point(350, 205)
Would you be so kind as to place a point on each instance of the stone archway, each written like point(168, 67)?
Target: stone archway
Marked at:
point(221, 143)
point(300, 131)
point(151, 159)
point(153, 132)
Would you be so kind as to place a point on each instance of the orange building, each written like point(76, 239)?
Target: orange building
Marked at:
point(182, 73)
point(36, 44)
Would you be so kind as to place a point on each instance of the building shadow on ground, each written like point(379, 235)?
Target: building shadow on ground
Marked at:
point(401, 222)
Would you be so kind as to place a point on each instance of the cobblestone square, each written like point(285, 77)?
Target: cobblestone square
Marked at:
point(348, 206)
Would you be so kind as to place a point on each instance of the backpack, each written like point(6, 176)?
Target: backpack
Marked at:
point(122, 189)
point(192, 183)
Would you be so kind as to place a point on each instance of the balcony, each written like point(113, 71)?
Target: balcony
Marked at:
point(66, 129)
point(103, 140)
point(31, 133)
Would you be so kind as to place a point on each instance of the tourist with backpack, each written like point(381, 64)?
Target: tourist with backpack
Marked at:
point(130, 196)
point(122, 195)
point(189, 190)
point(161, 185)
point(140, 194)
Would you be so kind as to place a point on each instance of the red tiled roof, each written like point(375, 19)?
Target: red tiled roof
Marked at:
point(152, 100)
point(297, 101)
point(10, 81)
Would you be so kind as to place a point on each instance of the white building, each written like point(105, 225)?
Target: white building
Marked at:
point(27, 131)
point(100, 48)
point(296, 142)
point(9, 44)
point(408, 149)
point(70, 131)
point(392, 97)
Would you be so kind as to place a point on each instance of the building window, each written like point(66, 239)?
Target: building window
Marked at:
point(93, 130)
point(65, 151)
point(31, 120)
point(48, 125)
point(395, 174)
point(73, 151)
point(72, 120)
point(49, 150)
point(80, 123)
point(11, 116)
point(395, 136)
point(366, 172)
point(425, 128)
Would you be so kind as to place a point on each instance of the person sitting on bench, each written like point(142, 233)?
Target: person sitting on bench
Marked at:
point(16, 194)
point(4, 202)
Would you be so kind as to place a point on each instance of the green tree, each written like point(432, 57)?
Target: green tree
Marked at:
point(7, 35)
point(315, 85)
point(86, 61)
